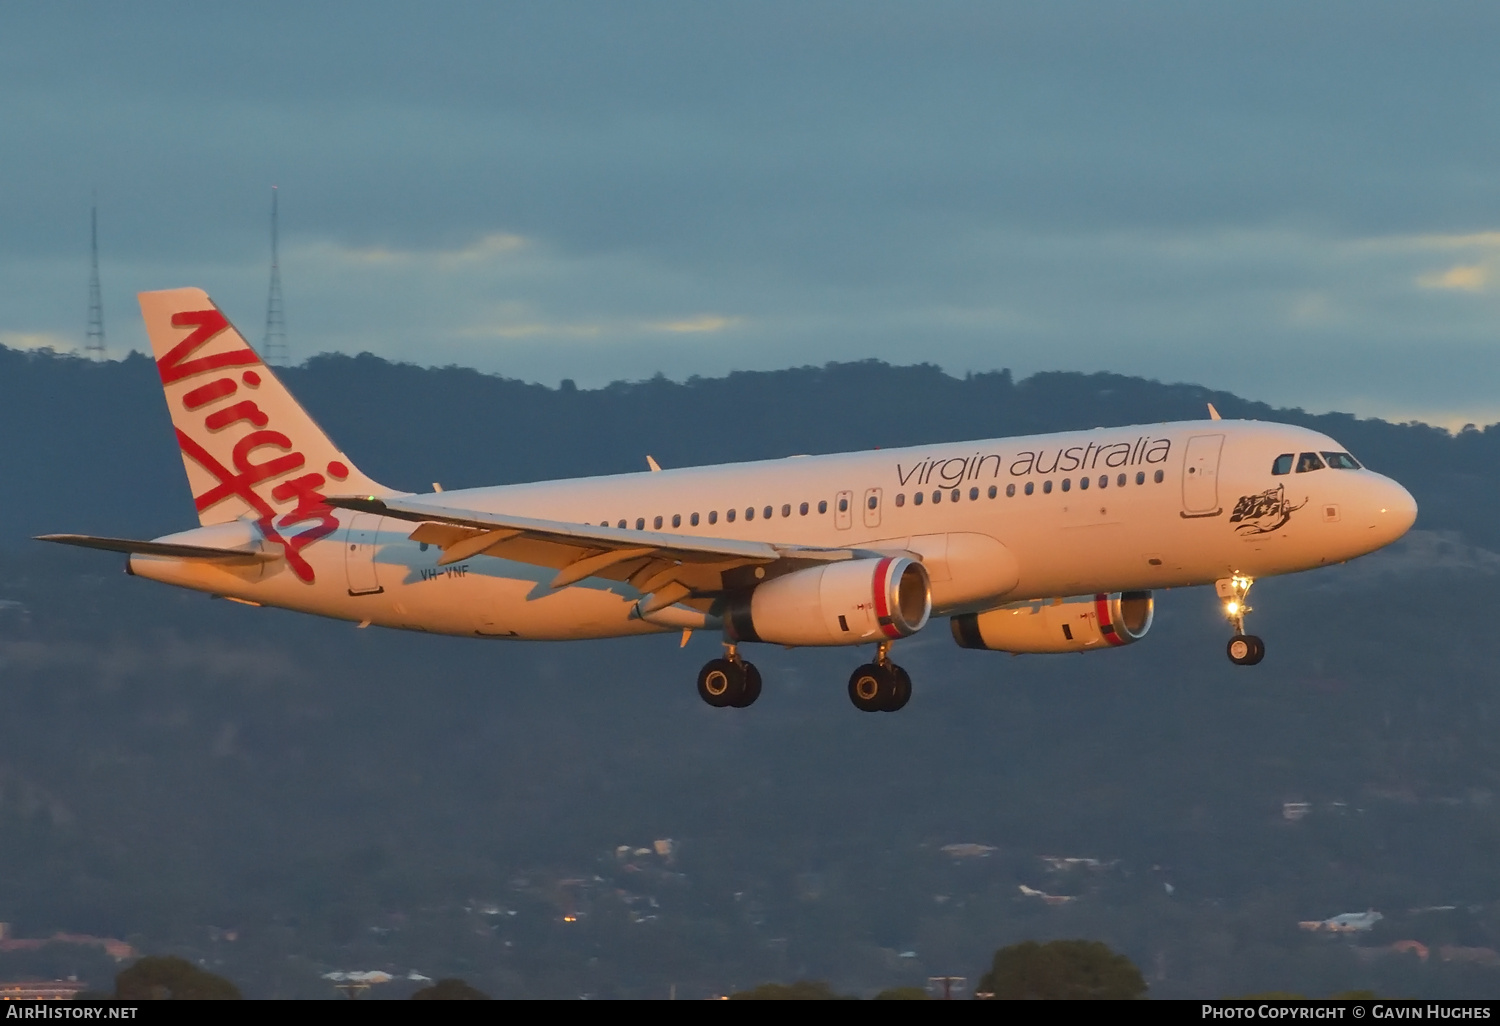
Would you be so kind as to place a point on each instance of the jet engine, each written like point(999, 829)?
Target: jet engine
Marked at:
point(1074, 624)
point(849, 603)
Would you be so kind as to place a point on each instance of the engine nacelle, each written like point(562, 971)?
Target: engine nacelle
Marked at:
point(848, 603)
point(1073, 624)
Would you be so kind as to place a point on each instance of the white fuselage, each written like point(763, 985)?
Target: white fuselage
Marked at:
point(1198, 503)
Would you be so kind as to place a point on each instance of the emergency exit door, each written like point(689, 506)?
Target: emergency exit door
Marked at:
point(359, 554)
point(1200, 476)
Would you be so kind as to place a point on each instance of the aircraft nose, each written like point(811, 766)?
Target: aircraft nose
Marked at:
point(1393, 509)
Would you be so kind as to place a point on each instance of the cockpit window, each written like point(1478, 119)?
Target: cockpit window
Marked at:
point(1308, 461)
point(1341, 461)
point(1283, 464)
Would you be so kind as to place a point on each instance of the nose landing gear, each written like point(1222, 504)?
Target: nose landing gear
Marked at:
point(730, 682)
point(881, 686)
point(1243, 649)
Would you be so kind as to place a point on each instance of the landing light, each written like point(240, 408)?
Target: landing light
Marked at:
point(1231, 608)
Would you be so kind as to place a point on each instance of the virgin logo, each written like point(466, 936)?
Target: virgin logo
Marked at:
point(247, 477)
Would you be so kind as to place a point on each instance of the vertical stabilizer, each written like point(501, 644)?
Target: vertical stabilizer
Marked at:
point(249, 448)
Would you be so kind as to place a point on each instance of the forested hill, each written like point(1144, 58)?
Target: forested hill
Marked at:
point(88, 446)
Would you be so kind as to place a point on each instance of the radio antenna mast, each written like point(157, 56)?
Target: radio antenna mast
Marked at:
point(273, 348)
point(94, 340)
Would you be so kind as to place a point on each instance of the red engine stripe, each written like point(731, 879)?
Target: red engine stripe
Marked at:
point(882, 606)
point(1101, 606)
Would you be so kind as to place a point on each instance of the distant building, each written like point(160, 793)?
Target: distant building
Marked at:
point(1058, 863)
point(116, 949)
point(967, 851)
point(49, 990)
point(1474, 956)
point(1347, 922)
point(1051, 899)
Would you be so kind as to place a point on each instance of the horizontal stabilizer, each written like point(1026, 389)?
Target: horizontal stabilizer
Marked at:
point(151, 548)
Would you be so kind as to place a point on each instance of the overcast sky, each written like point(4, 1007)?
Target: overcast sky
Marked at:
point(1297, 202)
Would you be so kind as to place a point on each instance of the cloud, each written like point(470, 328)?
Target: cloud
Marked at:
point(693, 325)
point(1472, 240)
point(531, 329)
point(1463, 278)
point(37, 340)
point(486, 249)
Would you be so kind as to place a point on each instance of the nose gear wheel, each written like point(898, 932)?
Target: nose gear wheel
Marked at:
point(1243, 649)
point(1246, 650)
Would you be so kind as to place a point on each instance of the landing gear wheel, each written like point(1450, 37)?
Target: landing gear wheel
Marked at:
point(871, 687)
point(751, 689)
point(901, 694)
point(1246, 650)
point(721, 683)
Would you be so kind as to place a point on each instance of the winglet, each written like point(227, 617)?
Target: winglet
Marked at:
point(1213, 414)
point(651, 462)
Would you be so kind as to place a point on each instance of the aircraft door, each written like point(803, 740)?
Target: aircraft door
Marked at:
point(359, 554)
point(872, 507)
point(1200, 476)
point(843, 512)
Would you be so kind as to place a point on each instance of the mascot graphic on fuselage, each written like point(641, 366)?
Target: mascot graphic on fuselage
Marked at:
point(1265, 512)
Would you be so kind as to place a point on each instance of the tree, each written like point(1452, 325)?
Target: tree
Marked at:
point(902, 994)
point(802, 990)
point(451, 989)
point(173, 978)
point(1062, 970)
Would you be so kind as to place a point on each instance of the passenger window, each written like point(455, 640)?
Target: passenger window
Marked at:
point(786, 510)
point(1010, 491)
point(729, 515)
point(937, 496)
point(1067, 484)
point(1083, 483)
point(1160, 477)
point(621, 525)
point(822, 505)
point(802, 509)
point(767, 512)
point(1120, 481)
point(994, 491)
point(1140, 477)
point(1308, 462)
point(917, 498)
point(973, 494)
point(713, 516)
point(1047, 487)
point(1282, 464)
point(640, 523)
point(676, 519)
point(656, 524)
point(1030, 487)
point(872, 502)
point(900, 499)
point(693, 520)
point(843, 505)
point(1341, 461)
point(749, 512)
point(955, 495)
point(1103, 480)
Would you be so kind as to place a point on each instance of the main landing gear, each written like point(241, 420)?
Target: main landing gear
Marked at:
point(881, 686)
point(1244, 649)
point(733, 683)
point(730, 682)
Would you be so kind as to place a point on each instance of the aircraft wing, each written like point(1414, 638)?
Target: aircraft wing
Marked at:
point(668, 567)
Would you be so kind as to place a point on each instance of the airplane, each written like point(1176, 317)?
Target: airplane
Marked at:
point(1044, 543)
